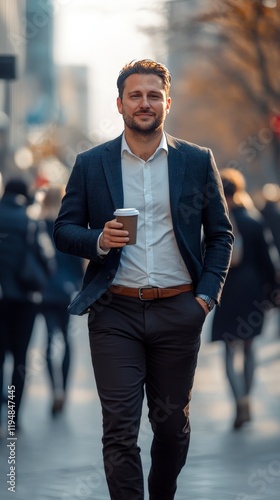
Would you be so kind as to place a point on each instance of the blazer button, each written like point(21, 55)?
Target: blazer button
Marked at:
point(110, 276)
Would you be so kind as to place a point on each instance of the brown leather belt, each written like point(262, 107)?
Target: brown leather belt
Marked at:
point(149, 292)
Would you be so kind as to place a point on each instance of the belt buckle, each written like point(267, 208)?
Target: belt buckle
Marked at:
point(140, 291)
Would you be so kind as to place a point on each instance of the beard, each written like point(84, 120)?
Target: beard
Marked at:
point(142, 127)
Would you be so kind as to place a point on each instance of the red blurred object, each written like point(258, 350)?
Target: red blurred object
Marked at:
point(40, 182)
point(275, 124)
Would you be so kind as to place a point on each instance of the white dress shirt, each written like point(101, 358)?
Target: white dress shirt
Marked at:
point(155, 259)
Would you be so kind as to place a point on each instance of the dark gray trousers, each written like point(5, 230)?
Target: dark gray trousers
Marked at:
point(151, 345)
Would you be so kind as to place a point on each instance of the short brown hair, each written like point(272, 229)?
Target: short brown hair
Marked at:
point(144, 66)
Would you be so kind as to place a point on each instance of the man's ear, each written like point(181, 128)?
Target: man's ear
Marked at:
point(119, 105)
point(168, 104)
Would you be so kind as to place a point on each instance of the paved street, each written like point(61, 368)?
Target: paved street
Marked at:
point(60, 458)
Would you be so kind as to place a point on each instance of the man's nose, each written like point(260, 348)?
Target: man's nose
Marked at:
point(145, 102)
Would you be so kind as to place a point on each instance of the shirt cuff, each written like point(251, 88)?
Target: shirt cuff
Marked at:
point(99, 250)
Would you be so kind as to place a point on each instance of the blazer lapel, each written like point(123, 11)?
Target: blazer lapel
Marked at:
point(176, 172)
point(111, 160)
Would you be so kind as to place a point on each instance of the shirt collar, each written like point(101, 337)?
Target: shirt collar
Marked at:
point(161, 147)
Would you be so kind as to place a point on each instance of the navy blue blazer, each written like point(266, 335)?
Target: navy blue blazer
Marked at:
point(197, 203)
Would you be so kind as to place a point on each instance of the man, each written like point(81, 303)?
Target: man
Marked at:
point(147, 302)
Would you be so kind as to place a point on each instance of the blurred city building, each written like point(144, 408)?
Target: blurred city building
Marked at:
point(11, 49)
point(187, 39)
point(39, 68)
point(224, 59)
point(44, 110)
point(44, 107)
point(72, 87)
point(180, 36)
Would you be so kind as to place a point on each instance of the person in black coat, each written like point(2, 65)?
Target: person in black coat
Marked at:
point(248, 291)
point(271, 212)
point(18, 305)
point(61, 286)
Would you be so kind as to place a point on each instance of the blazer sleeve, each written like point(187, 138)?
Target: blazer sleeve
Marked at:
point(217, 234)
point(72, 234)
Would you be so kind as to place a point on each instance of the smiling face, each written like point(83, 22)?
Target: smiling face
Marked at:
point(144, 103)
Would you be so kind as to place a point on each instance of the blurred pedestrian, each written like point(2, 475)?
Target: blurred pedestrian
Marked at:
point(250, 281)
point(61, 287)
point(18, 303)
point(271, 211)
point(147, 302)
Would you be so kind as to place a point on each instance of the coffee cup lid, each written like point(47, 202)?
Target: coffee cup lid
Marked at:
point(126, 211)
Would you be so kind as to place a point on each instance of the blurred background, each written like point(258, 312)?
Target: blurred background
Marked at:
point(59, 61)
